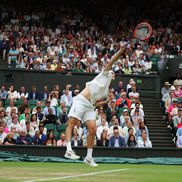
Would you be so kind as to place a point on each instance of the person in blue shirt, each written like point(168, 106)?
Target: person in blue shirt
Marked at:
point(116, 140)
point(13, 57)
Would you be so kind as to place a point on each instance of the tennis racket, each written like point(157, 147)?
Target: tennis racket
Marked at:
point(143, 31)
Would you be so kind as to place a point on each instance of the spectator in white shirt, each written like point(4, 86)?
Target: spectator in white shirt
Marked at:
point(102, 127)
point(137, 107)
point(12, 94)
point(136, 101)
point(10, 108)
point(143, 141)
point(158, 49)
point(139, 51)
point(116, 124)
point(22, 94)
point(133, 94)
point(53, 99)
point(66, 98)
point(15, 124)
point(125, 129)
point(2, 135)
point(79, 130)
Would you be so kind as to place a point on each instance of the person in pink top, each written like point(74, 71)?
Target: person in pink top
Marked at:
point(62, 140)
point(178, 91)
point(170, 109)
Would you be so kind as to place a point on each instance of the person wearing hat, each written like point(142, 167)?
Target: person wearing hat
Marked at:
point(45, 110)
point(83, 107)
point(165, 89)
point(124, 116)
point(165, 94)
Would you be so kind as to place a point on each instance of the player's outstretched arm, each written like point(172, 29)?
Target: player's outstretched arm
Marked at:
point(115, 58)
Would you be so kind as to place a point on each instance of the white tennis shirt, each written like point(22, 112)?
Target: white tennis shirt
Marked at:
point(99, 86)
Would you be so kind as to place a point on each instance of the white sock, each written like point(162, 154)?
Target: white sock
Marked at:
point(68, 146)
point(89, 153)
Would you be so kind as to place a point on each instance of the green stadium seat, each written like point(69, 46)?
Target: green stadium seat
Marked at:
point(19, 102)
point(32, 107)
point(32, 102)
point(56, 135)
point(50, 127)
point(61, 128)
point(154, 63)
point(7, 101)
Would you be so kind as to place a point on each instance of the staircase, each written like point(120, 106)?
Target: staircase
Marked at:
point(3, 63)
point(159, 134)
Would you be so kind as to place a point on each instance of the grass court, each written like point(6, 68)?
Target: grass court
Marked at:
point(80, 172)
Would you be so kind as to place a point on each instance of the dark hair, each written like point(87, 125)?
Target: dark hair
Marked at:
point(115, 128)
point(140, 126)
point(38, 107)
point(131, 143)
point(130, 129)
point(32, 117)
point(48, 134)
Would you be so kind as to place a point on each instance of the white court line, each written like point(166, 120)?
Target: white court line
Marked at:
point(78, 175)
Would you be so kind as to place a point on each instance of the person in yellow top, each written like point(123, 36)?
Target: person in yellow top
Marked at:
point(54, 65)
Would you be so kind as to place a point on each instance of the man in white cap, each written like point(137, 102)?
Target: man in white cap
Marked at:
point(166, 88)
point(83, 108)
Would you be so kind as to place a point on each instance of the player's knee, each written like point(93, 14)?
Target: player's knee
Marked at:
point(92, 130)
point(72, 122)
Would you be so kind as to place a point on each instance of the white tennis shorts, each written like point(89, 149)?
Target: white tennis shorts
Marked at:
point(82, 109)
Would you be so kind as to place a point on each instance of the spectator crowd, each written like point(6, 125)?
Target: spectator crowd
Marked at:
point(64, 37)
point(172, 108)
point(69, 36)
point(40, 117)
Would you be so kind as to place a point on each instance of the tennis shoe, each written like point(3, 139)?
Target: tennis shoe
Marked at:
point(90, 161)
point(71, 155)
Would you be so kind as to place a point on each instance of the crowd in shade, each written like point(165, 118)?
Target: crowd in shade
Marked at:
point(40, 117)
point(172, 108)
point(72, 37)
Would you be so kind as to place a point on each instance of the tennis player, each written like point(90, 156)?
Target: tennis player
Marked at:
point(84, 104)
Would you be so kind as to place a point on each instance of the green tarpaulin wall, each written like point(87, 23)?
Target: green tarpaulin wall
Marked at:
point(8, 156)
